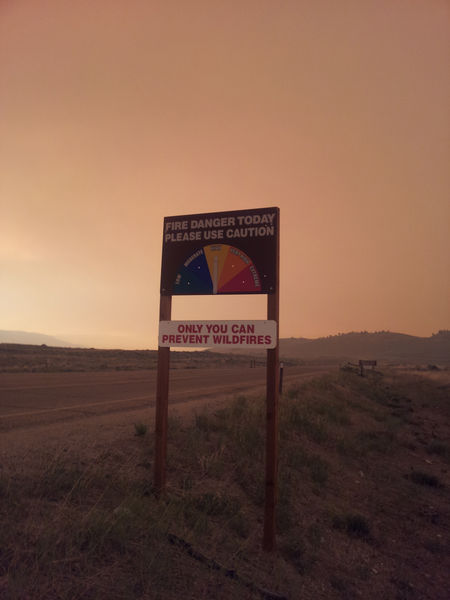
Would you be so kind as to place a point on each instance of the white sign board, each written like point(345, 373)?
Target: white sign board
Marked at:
point(226, 334)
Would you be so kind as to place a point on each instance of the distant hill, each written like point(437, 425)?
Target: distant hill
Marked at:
point(26, 337)
point(382, 345)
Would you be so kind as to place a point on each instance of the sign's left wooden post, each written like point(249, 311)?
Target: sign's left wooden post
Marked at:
point(162, 403)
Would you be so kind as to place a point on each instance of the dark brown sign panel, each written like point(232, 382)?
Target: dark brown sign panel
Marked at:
point(221, 253)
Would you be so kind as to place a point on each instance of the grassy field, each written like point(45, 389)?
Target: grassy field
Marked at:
point(20, 358)
point(363, 508)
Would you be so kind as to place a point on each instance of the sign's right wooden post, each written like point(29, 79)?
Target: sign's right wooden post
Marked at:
point(272, 398)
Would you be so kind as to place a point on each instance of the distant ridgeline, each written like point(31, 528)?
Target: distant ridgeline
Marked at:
point(380, 345)
point(28, 337)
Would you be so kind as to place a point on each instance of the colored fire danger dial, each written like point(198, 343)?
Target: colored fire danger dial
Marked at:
point(218, 269)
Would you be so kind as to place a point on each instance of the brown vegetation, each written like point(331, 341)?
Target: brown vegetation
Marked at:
point(363, 507)
point(18, 358)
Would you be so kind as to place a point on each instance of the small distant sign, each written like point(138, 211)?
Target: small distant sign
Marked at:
point(225, 334)
point(366, 363)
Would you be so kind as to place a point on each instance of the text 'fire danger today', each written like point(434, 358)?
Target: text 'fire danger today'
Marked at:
point(220, 228)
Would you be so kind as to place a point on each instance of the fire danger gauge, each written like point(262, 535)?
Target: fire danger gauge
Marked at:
point(218, 269)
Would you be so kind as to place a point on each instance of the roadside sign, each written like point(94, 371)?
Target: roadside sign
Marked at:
point(224, 334)
point(235, 252)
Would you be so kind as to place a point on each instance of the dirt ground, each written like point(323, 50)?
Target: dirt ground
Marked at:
point(84, 411)
point(383, 441)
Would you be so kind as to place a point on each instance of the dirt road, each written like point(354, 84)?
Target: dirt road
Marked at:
point(45, 408)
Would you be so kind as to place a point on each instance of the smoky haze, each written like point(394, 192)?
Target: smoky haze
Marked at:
point(115, 116)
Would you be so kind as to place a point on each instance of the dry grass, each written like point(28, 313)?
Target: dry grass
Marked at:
point(349, 500)
point(20, 358)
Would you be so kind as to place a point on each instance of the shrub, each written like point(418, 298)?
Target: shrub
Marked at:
point(422, 478)
point(296, 551)
point(333, 413)
point(318, 469)
point(300, 419)
point(203, 422)
point(140, 429)
point(358, 526)
point(216, 505)
point(439, 448)
point(353, 524)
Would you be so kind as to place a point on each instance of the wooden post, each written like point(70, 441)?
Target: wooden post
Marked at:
point(281, 378)
point(272, 395)
point(271, 491)
point(162, 403)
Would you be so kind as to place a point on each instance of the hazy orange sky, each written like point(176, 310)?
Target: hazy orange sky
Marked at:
point(116, 113)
